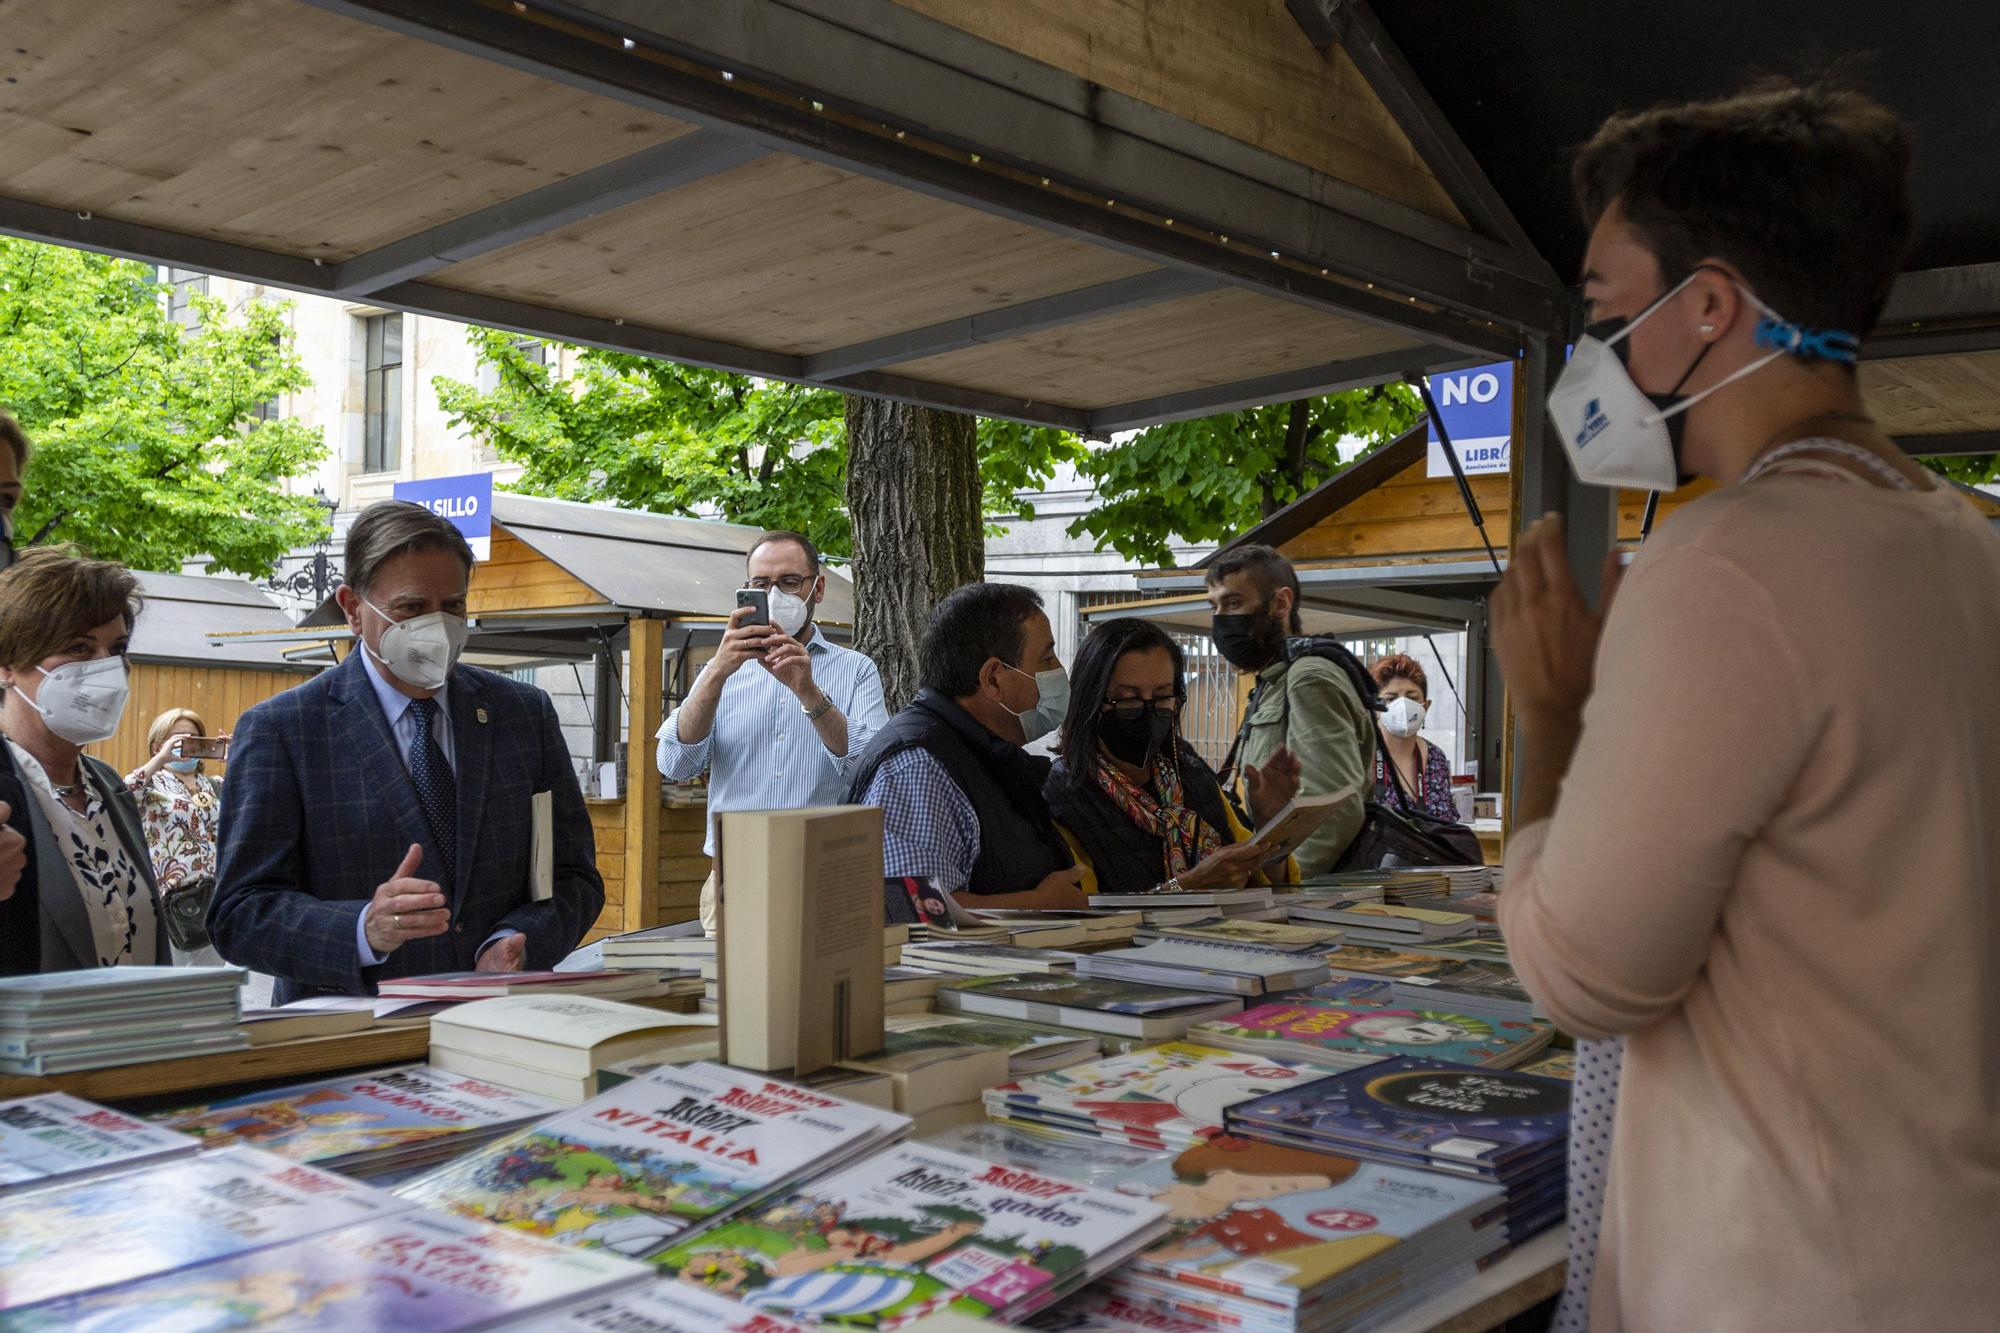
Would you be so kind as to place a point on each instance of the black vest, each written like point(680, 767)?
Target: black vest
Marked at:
point(1018, 845)
point(1126, 857)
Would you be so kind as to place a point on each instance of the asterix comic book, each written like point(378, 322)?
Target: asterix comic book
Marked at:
point(54, 1135)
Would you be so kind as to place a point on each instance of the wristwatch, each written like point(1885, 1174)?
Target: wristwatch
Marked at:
point(820, 709)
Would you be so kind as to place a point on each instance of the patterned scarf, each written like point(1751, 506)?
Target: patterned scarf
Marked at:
point(1166, 816)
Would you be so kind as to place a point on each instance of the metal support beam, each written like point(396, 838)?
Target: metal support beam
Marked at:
point(835, 94)
point(1354, 27)
point(1310, 382)
point(665, 167)
point(1014, 321)
point(1939, 312)
point(1549, 486)
point(1965, 445)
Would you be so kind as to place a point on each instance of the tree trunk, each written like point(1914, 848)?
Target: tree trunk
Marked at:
point(919, 526)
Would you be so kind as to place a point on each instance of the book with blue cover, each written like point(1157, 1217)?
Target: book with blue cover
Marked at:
point(1409, 1107)
point(416, 1270)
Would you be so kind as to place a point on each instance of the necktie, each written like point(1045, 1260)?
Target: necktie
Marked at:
point(437, 789)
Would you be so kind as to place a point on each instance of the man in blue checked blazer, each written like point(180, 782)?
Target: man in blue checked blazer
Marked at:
point(377, 821)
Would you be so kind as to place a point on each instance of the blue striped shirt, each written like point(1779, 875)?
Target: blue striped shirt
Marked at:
point(929, 828)
point(762, 753)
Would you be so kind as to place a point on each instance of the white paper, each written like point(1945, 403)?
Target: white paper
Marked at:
point(542, 845)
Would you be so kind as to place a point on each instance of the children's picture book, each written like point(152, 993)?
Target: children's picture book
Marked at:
point(360, 1120)
point(1283, 1224)
point(1344, 1036)
point(73, 1236)
point(416, 1270)
point(635, 1167)
point(912, 1230)
point(1426, 1108)
point(54, 1135)
point(1170, 1096)
point(660, 1307)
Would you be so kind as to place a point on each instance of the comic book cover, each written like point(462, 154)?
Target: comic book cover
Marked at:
point(417, 1270)
point(635, 1167)
point(56, 1135)
point(73, 1236)
point(661, 1307)
point(910, 1230)
point(1169, 1096)
point(1282, 1224)
point(352, 1120)
point(1421, 1107)
point(1345, 1036)
point(1051, 1154)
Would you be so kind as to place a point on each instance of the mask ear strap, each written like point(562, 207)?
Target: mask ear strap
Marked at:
point(1654, 418)
point(1658, 301)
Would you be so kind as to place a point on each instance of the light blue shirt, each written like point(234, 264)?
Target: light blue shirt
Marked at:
point(762, 753)
point(403, 726)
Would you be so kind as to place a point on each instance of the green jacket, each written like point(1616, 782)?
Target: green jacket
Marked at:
point(1310, 706)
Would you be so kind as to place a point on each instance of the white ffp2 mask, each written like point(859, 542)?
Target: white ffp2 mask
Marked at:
point(422, 650)
point(82, 701)
point(1403, 717)
point(789, 613)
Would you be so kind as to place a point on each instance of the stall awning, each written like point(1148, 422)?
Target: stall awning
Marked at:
point(183, 611)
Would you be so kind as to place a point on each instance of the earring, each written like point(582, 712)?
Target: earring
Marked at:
point(1707, 329)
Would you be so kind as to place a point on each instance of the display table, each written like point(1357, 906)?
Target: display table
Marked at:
point(292, 1061)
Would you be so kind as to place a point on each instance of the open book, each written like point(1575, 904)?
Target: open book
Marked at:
point(1284, 831)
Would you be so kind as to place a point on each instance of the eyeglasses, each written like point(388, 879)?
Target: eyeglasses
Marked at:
point(793, 584)
point(1131, 710)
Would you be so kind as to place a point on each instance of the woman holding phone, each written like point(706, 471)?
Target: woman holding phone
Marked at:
point(180, 808)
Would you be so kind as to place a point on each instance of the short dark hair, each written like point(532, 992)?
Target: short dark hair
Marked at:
point(16, 439)
point(798, 539)
point(387, 529)
point(54, 593)
point(1265, 568)
point(972, 624)
point(1804, 189)
point(1090, 683)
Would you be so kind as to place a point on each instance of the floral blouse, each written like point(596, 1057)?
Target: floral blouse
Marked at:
point(115, 895)
point(1433, 793)
point(180, 814)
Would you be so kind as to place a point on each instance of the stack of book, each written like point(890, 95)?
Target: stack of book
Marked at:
point(54, 1136)
point(68, 1237)
point(58, 1022)
point(1206, 965)
point(1467, 880)
point(913, 1230)
point(1063, 930)
point(1347, 1036)
point(660, 1307)
point(1098, 1162)
point(1379, 923)
point(262, 1027)
point(382, 1123)
point(1168, 1096)
point(384, 1013)
point(1509, 1129)
point(1176, 909)
point(930, 1070)
point(414, 1270)
point(1487, 990)
point(1375, 962)
point(555, 1045)
point(1278, 1237)
point(1273, 935)
point(1029, 1049)
point(488, 985)
point(908, 990)
point(1086, 1004)
point(652, 1160)
point(966, 932)
point(982, 959)
point(681, 945)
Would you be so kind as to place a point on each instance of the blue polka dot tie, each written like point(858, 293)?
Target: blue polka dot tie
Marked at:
point(437, 789)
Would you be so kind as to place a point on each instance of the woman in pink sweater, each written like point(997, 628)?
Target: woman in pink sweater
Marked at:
point(1745, 839)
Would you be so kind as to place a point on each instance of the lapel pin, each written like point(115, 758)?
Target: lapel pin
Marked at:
point(479, 715)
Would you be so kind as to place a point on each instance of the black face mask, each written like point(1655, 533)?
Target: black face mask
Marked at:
point(1249, 641)
point(1135, 740)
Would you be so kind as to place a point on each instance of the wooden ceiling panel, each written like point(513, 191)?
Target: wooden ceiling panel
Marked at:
point(1934, 395)
point(792, 256)
point(278, 125)
point(1197, 342)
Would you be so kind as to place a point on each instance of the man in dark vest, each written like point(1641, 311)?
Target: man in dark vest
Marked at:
point(961, 800)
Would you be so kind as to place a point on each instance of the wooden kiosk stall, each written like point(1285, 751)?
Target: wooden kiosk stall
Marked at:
point(632, 602)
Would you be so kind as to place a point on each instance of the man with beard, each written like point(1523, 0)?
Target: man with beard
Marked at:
point(1307, 706)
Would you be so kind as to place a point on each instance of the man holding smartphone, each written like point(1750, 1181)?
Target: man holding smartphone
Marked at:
point(783, 734)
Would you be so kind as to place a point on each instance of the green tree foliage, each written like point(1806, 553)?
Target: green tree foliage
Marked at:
point(147, 446)
point(1972, 470)
point(1208, 480)
point(677, 439)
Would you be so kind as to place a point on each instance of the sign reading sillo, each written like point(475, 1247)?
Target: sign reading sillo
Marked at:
point(467, 501)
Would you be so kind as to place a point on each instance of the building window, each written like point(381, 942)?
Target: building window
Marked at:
point(183, 285)
point(382, 436)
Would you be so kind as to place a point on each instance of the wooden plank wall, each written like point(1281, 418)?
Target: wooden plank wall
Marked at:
point(1409, 514)
point(1241, 67)
point(519, 578)
point(683, 865)
point(219, 694)
point(607, 825)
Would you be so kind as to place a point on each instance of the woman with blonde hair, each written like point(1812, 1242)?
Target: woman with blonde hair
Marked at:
point(181, 809)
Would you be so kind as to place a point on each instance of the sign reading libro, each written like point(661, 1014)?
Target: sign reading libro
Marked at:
point(466, 501)
point(1477, 405)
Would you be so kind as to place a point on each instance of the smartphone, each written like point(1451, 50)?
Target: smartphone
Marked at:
point(759, 600)
point(203, 747)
